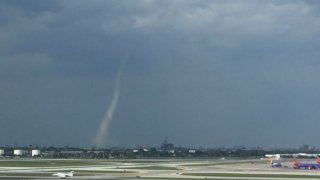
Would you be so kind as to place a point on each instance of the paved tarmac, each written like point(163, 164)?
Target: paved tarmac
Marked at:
point(171, 169)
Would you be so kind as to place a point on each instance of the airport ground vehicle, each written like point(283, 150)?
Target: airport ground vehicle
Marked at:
point(276, 164)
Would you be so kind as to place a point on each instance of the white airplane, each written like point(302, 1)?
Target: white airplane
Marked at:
point(63, 175)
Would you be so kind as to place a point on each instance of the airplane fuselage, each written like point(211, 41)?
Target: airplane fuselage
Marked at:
point(309, 166)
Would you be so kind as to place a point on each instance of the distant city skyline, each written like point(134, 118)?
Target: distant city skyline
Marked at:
point(203, 73)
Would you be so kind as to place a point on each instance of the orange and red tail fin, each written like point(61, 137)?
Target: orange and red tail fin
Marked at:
point(296, 162)
point(318, 159)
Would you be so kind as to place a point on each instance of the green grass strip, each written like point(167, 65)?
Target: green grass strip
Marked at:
point(44, 163)
point(151, 168)
point(26, 174)
point(101, 171)
point(252, 175)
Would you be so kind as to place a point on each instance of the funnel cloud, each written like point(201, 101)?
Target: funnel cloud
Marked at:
point(101, 137)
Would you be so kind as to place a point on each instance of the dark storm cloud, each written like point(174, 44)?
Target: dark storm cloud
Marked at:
point(206, 73)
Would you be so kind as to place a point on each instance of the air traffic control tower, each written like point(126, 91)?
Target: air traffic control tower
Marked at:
point(165, 145)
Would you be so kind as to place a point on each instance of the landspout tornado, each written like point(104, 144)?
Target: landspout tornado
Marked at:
point(101, 137)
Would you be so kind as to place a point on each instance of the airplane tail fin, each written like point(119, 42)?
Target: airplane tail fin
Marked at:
point(70, 174)
point(318, 159)
point(296, 162)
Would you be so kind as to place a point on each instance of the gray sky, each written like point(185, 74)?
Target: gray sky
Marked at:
point(203, 73)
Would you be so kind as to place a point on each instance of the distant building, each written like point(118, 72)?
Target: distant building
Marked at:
point(306, 148)
point(145, 150)
point(166, 146)
point(17, 152)
point(35, 152)
point(273, 156)
point(1, 152)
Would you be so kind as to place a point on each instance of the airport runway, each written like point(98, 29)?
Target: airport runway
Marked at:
point(252, 169)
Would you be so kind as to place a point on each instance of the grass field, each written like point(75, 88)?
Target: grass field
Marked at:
point(151, 169)
point(45, 163)
point(252, 175)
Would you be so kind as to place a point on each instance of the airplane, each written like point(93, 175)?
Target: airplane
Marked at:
point(63, 175)
point(309, 166)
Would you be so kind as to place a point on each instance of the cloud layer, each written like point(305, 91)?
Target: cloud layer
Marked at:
point(204, 73)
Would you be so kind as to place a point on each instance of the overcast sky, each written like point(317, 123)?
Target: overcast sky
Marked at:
point(203, 73)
